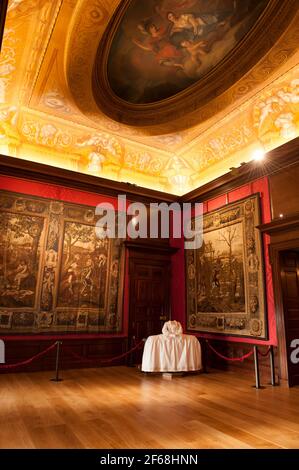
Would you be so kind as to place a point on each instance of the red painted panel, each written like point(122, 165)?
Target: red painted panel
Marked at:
point(262, 186)
point(239, 193)
point(217, 202)
point(51, 191)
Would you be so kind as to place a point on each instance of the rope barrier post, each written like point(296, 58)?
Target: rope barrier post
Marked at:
point(272, 367)
point(256, 368)
point(130, 362)
point(56, 378)
point(205, 356)
point(127, 347)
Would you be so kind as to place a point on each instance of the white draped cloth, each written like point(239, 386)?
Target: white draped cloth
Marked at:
point(172, 351)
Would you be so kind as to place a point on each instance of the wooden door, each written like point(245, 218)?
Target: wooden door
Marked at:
point(149, 297)
point(290, 290)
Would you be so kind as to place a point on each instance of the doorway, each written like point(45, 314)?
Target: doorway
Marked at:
point(149, 275)
point(289, 273)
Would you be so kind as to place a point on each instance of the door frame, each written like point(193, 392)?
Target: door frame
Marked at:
point(284, 235)
point(141, 253)
point(135, 261)
point(275, 250)
point(138, 250)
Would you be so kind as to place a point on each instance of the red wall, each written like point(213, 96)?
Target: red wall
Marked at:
point(61, 193)
point(178, 263)
point(260, 186)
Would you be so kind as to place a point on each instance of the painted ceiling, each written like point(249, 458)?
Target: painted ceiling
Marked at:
point(49, 114)
point(161, 47)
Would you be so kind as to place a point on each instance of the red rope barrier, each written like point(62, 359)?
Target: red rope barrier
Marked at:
point(265, 354)
point(28, 361)
point(106, 361)
point(231, 359)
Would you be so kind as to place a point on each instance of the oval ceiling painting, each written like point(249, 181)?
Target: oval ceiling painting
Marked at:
point(162, 47)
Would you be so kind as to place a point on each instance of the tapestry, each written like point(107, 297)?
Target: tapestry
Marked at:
point(56, 275)
point(225, 285)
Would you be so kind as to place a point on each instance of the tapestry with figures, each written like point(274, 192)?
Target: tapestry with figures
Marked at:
point(225, 285)
point(56, 275)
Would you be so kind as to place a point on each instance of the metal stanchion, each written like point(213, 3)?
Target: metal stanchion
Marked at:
point(56, 378)
point(127, 349)
point(204, 356)
point(130, 362)
point(256, 368)
point(272, 367)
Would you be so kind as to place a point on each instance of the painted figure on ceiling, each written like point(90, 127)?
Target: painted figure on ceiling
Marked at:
point(194, 50)
point(159, 44)
point(189, 22)
point(163, 46)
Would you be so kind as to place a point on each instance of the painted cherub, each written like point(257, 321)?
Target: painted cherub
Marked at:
point(190, 22)
point(195, 50)
point(158, 43)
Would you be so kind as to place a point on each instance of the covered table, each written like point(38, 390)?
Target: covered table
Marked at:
point(171, 353)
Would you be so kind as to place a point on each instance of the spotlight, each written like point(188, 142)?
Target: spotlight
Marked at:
point(259, 155)
point(281, 216)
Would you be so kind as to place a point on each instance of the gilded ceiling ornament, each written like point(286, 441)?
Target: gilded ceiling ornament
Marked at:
point(286, 125)
point(8, 122)
point(46, 12)
point(7, 61)
point(143, 162)
point(101, 141)
point(178, 171)
point(169, 140)
point(95, 162)
point(138, 161)
point(277, 112)
point(21, 8)
point(55, 100)
point(46, 134)
point(155, 166)
point(220, 147)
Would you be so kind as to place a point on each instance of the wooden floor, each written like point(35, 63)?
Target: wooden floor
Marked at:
point(120, 407)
